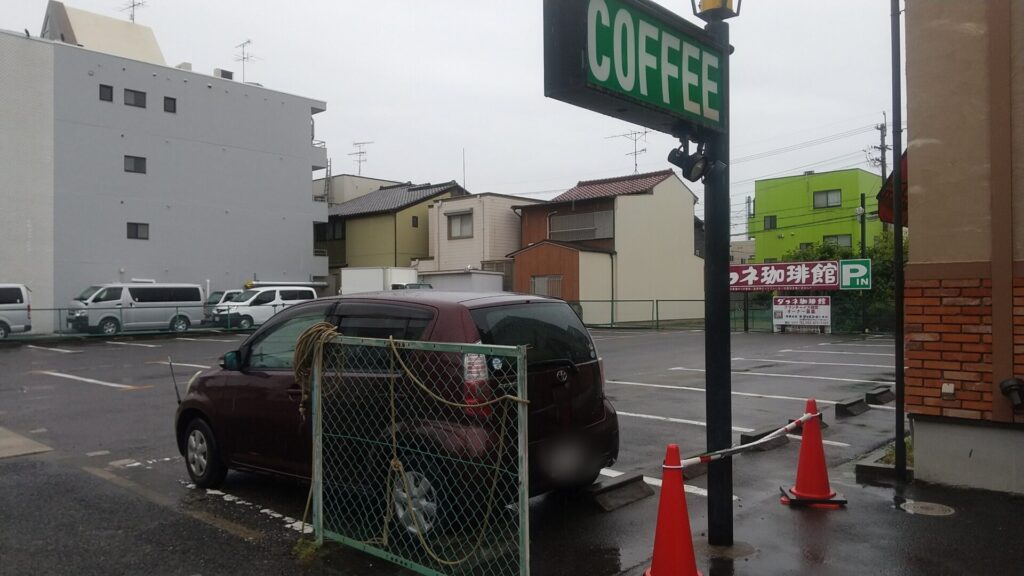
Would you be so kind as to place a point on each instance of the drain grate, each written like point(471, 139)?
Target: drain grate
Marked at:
point(926, 508)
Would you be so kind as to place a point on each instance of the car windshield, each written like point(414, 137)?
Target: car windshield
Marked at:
point(214, 297)
point(231, 297)
point(87, 293)
point(245, 296)
point(550, 329)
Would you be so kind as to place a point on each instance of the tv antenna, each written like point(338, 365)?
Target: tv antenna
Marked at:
point(636, 137)
point(245, 56)
point(131, 7)
point(360, 154)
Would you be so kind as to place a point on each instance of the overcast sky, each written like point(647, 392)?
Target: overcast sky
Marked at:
point(426, 80)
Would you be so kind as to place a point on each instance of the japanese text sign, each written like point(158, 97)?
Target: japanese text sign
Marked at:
point(822, 275)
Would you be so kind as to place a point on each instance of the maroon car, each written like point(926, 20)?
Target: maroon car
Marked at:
point(245, 415)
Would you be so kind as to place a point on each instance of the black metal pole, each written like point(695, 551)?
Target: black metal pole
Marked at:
point(863, 254)
point(746, 311)
point(897, 218)
point(717, 357)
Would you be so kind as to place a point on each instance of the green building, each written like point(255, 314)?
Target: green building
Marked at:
point(794, 212)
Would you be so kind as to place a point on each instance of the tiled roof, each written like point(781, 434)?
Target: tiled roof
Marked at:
point(390, 199)
point(632, 184)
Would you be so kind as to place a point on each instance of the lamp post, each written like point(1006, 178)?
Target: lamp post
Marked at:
point(716, 288)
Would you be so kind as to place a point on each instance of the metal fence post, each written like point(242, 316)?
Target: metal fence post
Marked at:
point(524, 465)
point(657, 315)
point(746, 311)
point(318, 488)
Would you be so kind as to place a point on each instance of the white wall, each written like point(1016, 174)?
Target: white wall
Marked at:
point(227, 189)
point(472, 281)
point(496, 231)
point(655, 253)
point(596, 286)
point(26, 169)
point(969, 455)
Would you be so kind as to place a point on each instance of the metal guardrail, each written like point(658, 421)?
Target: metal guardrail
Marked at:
point(420, 454)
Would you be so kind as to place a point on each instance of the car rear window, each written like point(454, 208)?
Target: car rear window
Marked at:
point(11, 296)
point(214, 297)
point(550, 329)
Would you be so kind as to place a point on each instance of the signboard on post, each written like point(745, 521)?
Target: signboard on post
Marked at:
point(855, 274)
point(823, 275)
point(636, 61)
point(802, 311)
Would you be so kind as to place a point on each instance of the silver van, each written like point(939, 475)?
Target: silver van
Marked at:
point(256, 305)
point(15, 309)
point(111, 308)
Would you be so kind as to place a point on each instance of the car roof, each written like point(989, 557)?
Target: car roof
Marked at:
point(445, 298)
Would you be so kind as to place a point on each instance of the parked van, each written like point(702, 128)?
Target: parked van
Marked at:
point(111, 308)
point(15, 309)
point(216, 298)
point(256, 305)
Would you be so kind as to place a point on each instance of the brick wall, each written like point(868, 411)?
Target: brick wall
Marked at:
point(948, 332)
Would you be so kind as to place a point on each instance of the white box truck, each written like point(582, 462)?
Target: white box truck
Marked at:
point(375, 279)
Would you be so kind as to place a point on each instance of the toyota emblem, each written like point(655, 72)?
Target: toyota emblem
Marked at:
point(562, 375)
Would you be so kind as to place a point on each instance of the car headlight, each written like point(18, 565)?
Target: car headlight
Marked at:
point(80, 313)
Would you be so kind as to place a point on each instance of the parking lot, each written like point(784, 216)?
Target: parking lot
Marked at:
point(105, 410)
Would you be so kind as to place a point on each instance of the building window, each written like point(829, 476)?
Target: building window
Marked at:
point(769, 222)
point(506, 269)
point(546, 286)
point(732, 258)
point(582, 226)
point(106, 93)
point(134, 98)
point(138, 231)
point(460, 226)
point(828, 198)
point(337, 230)
point(136, 164)
point(842, 240)
point(320, 232)
point(416, 222)
point(170, 104)
point(806, 245)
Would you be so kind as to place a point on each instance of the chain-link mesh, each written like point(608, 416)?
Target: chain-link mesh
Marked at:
point(421, 453)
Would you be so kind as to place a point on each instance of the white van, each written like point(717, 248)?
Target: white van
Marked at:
point(216, 298)
point(256, 305)
point(111, 308)
point(15, 309)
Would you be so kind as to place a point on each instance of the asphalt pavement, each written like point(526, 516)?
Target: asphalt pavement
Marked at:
point(113, 496)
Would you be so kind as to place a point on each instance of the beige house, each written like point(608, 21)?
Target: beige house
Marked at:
point(964, 284)
point(386, 227)
point(741, 251)
point(623, 248)
point(475, 232)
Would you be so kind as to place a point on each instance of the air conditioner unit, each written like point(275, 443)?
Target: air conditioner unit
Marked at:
point(225, 74)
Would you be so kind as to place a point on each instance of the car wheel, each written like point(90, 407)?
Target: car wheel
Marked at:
point(109, 327)
point(418, 500)
point(4, 330)
point(202, 457)
point(179, 324)
point(245, 323)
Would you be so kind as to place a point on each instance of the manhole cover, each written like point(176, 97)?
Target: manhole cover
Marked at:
point(926, 508)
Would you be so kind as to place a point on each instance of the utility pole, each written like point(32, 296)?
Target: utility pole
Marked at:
point(897, 219)
point(882, 147)
point(863, 251)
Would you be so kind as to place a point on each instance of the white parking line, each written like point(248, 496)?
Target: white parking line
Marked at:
point(97, 453)
point(770, 375)
point(857, 345)
point(773, 360)
point(835, 352)
point(61, 350)
point(133, 344)
point(89, 380)
point(695, 389)
point(204, 339)
point(678, 420)
point(165, 363)
point(656, 482)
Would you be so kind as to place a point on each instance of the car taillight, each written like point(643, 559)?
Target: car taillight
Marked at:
point(476, 388)
point(29, 311)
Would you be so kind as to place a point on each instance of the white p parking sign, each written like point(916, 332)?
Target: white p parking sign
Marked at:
point(855, 274)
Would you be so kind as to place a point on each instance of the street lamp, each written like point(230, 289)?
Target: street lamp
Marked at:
point(709, 10)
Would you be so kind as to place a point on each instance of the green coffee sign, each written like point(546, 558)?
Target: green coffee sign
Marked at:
point(634, 60)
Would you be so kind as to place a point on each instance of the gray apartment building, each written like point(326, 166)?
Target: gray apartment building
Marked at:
point(115, 166)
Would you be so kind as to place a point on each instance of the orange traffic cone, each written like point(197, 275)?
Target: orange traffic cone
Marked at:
point(812, 487)
point(673, 543)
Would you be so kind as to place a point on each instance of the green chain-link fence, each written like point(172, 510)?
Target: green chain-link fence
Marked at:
point(420, 454)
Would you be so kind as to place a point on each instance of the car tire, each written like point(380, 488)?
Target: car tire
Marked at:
point(426, 497)
point(245, 323)
point(109, 327)
point(4, 330)
point(202, 455)
point(179, 324)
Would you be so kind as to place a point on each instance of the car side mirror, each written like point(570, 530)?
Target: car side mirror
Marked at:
point(231, 361)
